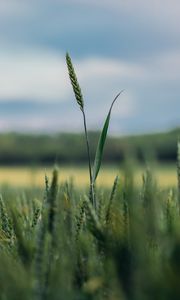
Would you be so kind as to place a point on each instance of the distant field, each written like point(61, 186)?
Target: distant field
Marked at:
point(25, 176)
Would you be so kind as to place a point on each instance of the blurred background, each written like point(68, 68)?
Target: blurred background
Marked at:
point(114, 45)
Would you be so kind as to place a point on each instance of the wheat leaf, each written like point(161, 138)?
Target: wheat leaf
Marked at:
point(101, 142)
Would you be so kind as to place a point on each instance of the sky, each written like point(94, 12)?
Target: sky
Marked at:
point(114, 45)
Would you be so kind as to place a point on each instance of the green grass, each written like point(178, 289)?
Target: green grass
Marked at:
point(55, 245)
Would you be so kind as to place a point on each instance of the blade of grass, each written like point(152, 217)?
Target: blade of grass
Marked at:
point(101, 142)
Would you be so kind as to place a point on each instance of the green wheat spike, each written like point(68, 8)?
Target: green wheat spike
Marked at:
point(74, 82)
point(23, 247)
point(79, 220)
point(126, 220)
point(169, 212)
point(101, 209)
point(111, 199)
point(46, 186)
point(92, 221)
point(52, 194)
point(5, 221)
point(36, 217)
point(39, 259)
point(147, 189)
point(39, 265)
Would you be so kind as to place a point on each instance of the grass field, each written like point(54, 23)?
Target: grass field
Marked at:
point(127, 247)
point(166, 175)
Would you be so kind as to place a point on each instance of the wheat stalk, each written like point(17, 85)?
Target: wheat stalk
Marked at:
point(80, 101)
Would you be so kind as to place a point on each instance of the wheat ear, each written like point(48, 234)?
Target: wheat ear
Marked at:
point(74, 82)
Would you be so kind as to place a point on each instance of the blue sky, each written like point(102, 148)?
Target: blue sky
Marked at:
point(117, 44)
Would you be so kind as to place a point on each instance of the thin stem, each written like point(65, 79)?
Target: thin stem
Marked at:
point(92, 195)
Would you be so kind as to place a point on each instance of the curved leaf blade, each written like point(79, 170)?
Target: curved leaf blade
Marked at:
point(101, 142)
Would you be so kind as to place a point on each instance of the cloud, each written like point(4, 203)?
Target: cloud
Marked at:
point(39, 80)
point(111, 28)
point(13, 9)
point(160, 9)
point(42, 75)
point(164, 13)
point(165, 67)
point(107, 67)
point(35, 75)
point(31, 77)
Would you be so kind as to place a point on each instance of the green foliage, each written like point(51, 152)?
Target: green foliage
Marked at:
point(108, 213)
point(101, 143)
point(32, 149)
point(5, 222)
point(127, 249)
point(51, 200)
